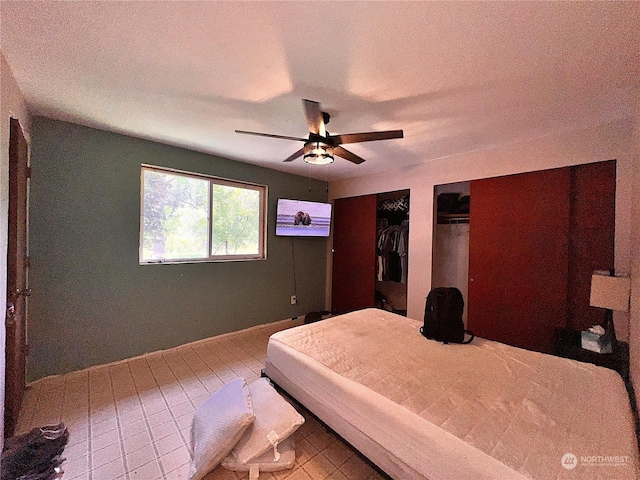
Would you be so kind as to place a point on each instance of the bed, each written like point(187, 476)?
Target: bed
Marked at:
point(421, 409)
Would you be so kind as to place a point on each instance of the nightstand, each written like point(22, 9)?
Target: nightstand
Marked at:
point(566, 343)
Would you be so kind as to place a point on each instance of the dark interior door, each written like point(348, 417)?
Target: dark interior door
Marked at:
point(17, 288)
point(518, 257)
point(354, 253)
point(591, 237)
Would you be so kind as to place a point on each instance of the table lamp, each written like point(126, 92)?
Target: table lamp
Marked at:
point(612, 293)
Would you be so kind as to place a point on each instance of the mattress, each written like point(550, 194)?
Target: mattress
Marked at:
point(422, 409)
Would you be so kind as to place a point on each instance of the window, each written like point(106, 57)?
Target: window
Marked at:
point(188, 217)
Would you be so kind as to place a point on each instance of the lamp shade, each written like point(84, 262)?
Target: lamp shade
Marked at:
point(610, 292)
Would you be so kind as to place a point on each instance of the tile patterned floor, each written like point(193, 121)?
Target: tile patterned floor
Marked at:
point(132, 419)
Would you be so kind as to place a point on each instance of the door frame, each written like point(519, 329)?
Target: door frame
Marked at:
point(17, 277)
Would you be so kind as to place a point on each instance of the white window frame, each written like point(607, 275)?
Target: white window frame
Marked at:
point(213, 180)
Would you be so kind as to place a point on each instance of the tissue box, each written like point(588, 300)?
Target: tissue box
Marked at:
point(595, 343)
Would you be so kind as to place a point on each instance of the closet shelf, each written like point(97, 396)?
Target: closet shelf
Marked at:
point(454, 218)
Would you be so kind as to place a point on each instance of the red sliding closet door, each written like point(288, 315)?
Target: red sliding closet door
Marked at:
point(591, 237)
point(354, 253)
point(518, 257)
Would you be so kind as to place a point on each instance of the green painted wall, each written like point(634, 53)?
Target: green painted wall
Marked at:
point(93, 303)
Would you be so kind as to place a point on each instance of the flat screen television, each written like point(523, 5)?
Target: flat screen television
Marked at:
point(300, 218)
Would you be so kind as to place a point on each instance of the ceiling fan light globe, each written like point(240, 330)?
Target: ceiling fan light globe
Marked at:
point(318, 153)
point(318, 160)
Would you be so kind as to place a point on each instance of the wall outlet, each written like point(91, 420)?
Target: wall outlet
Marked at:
point(294, 300)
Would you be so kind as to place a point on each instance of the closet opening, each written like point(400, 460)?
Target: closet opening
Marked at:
point(392, 242)
point(450, 262)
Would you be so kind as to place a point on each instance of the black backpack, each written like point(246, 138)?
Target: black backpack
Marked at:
point(443, 316)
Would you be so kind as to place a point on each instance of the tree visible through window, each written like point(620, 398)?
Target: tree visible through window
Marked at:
point(188, 217)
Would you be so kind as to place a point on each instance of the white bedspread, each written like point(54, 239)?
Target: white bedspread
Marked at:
point(484, 410)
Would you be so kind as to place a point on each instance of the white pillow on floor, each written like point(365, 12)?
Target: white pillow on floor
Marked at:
point(217, 426)
point(275, 421)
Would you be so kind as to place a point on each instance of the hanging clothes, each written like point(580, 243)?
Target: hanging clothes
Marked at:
point(392, 248)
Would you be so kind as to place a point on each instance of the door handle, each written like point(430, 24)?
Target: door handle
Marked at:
point(26, 292)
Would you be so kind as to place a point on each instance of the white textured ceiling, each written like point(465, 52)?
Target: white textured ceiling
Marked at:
point(455, 76)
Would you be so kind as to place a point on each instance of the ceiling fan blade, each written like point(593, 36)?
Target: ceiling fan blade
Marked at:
point(315, 120)
point(366, 137)
point(347, 155)
point(295, 155)
point(270, 135)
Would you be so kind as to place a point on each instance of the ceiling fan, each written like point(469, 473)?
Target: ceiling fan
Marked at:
point(321, 146)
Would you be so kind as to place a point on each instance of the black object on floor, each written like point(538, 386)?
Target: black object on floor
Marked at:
point(35, 455)
point(315, 316)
